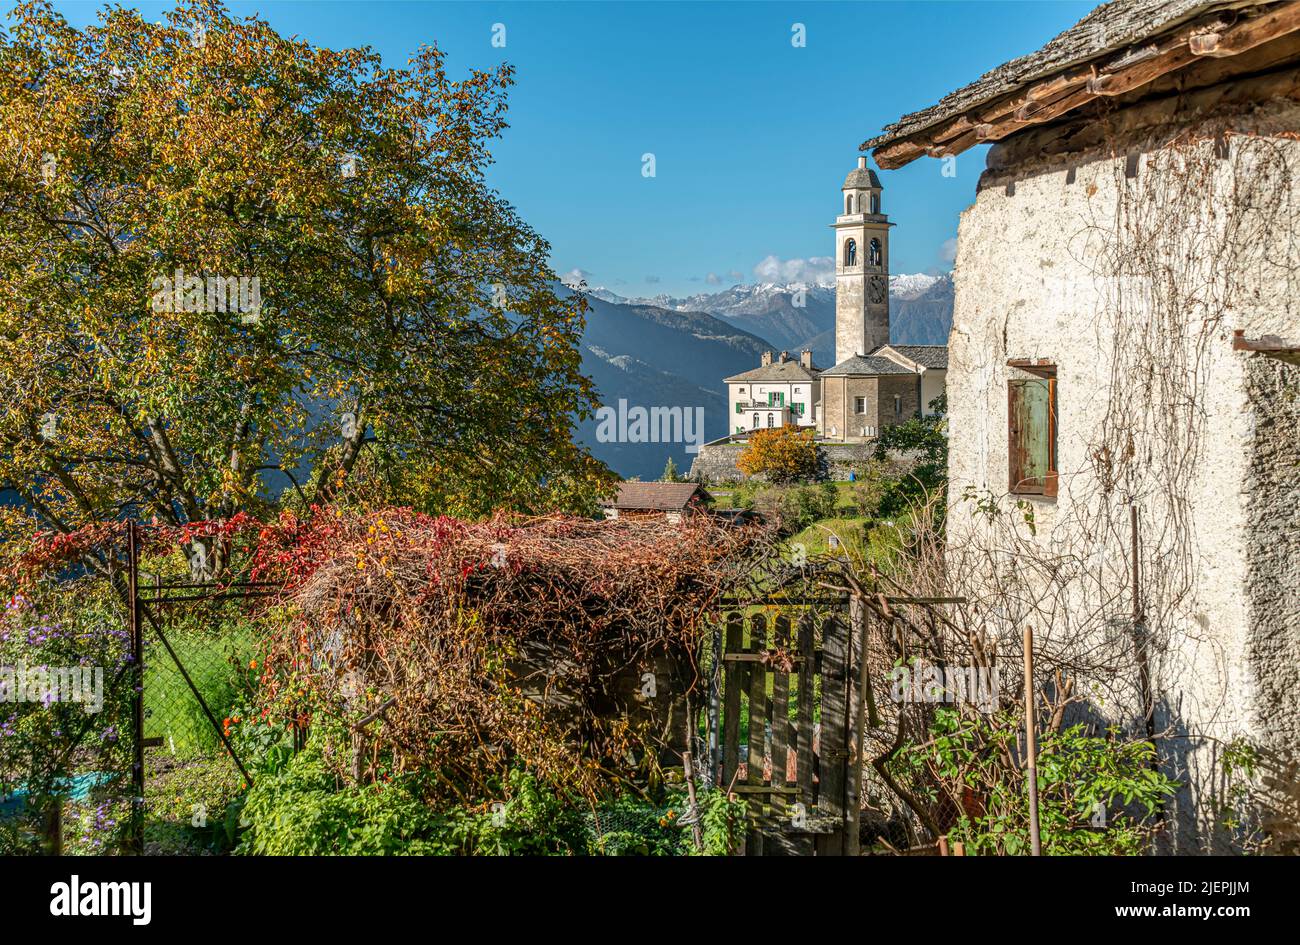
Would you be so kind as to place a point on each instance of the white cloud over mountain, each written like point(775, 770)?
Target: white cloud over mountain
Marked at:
point(948, 251)
point(819, 270)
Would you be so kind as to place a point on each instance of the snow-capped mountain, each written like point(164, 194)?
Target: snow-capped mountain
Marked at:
point(799, 315)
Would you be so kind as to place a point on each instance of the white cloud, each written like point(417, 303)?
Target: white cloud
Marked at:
point(815, 269)
point(652, 279)
point(948, 251)
point(713, 279)
point(735, 275)
point(574, 276)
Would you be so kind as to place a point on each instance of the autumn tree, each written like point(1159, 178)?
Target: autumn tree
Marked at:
point(782, 454)
point(233, 262)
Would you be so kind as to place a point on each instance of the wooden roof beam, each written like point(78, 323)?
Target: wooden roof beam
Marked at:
point(1059, 94)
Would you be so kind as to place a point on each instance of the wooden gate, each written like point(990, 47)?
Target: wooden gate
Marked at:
point(788, 697)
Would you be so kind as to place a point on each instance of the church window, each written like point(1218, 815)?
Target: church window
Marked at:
point(875, 203)
point(875, 252)
point(898, 406)
point(851, 253)
point(848, 204)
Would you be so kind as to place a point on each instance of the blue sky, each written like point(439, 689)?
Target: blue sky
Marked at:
point(751, 136)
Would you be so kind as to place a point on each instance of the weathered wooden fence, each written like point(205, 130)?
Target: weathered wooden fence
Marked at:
point(788, 699)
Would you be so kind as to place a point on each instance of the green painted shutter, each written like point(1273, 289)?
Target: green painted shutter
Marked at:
point(1031, 434)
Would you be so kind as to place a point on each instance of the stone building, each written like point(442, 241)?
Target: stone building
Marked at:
point(873, 385)
point(672, 500)
point(1123, 392)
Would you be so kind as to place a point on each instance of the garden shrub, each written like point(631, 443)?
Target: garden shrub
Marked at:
point(781, 455)
point(54, 748)
point(306, 810)
point(1097, 795)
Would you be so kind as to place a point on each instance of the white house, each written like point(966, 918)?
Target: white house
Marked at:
point(779, 391)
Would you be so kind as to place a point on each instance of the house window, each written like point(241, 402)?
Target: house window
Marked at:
point(875, 253)
point(775, 398)
point(770, 424)
point(797, 409)
point(851, 253)
point(1031, 432)
point(755, 426)
point(859, 405)
point(740, 408)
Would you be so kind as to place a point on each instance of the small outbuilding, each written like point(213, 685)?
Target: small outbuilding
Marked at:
point(670, 499)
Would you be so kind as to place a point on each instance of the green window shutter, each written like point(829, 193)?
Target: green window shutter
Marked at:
point(1031, 435)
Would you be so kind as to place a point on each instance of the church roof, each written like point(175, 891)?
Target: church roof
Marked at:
point(868, 364)
point(861, 178)
point(779, 371)
point(934, 357)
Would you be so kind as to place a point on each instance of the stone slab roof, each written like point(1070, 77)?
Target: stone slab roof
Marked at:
point(780, 372)
point(657, 496)
point(869, 365)
point(934, 357)
point(1110, 27)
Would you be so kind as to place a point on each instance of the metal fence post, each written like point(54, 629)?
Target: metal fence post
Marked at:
point(137, 698)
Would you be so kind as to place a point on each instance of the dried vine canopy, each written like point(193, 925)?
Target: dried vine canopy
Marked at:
point(462, 648)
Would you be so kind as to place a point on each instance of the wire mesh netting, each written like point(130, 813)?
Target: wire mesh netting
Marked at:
point(191, 781)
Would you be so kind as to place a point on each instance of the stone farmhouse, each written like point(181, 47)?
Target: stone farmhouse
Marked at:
point(1123, 385)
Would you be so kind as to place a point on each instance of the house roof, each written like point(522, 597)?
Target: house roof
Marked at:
point(1118, 47)
point(870, 364)
point(657, 496)
point(934, 357)
point(790, 371)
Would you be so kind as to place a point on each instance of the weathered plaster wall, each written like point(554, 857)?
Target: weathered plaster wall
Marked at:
point(1272, 491)
point(1043, 271)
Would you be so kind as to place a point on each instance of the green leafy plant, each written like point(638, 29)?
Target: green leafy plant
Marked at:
point(1097, 795)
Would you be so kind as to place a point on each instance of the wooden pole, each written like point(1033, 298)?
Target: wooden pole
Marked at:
point(697, 832)
point(1031, 745)
point(858, 620)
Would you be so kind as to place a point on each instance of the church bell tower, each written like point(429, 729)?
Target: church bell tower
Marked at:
point(861, 266)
